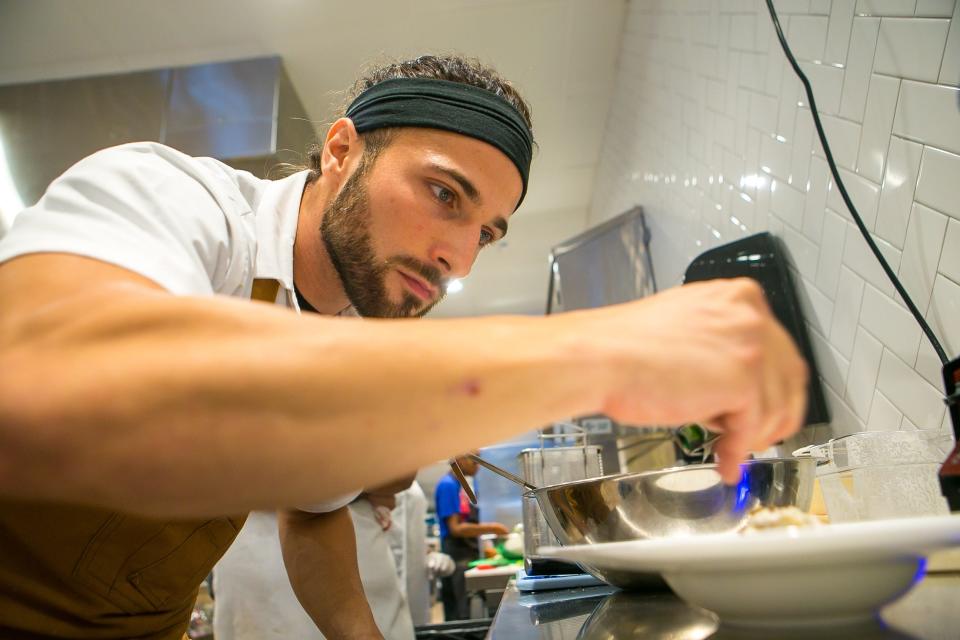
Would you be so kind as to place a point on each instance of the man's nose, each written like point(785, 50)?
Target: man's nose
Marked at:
point(455, 254)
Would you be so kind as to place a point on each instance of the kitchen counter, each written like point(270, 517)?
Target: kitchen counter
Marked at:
point(931, 611)
point(492, 578)
point(485, 588)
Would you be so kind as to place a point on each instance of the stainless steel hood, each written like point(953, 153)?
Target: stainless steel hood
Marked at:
point(243, 112)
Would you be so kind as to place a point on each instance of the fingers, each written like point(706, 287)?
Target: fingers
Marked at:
point(751, 384)
point(795, 375)
point(777, 407)
point(730, 451)
point(772, 399)
point(796, 409)
point(783, 378)
point(383, 517)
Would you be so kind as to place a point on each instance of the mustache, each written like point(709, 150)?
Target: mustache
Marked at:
point(428, 272)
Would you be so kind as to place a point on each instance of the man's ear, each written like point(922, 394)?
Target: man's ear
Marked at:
point(341, 149)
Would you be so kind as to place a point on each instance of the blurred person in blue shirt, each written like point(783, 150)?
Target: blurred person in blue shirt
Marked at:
point(459, 530)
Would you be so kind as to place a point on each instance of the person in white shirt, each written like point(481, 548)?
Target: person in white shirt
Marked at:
point(143, 397)
point(416, 565)
point(253, 596)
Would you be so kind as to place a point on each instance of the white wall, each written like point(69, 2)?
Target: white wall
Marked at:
point(705, 132)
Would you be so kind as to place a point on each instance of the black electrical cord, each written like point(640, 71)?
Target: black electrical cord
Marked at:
point(843, 190)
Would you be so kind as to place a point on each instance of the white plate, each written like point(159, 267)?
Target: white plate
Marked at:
point(815, 575)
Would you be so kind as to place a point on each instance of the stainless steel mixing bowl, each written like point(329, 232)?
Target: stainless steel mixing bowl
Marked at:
point(681, 501)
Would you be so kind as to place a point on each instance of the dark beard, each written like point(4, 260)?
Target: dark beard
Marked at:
point(346, 235)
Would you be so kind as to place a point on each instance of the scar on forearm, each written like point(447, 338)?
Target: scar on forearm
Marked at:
point(469, 387)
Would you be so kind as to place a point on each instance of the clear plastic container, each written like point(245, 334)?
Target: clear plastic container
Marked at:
point(877, 475)
point(545, 466)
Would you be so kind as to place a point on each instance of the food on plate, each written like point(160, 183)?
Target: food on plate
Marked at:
point(770, 518)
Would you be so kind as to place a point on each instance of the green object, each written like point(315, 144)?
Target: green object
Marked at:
point(506, 553)
point(496, 561)
point(691, 436)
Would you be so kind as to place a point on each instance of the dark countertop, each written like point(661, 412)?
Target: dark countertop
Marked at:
point(931, 611)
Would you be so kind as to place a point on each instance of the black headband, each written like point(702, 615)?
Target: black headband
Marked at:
point(452, 106)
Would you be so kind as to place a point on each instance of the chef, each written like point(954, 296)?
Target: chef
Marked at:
point(148, 402)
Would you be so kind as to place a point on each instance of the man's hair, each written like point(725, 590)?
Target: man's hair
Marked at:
point(452, 68)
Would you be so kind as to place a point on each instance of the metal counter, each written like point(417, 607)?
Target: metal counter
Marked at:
point(931, 611)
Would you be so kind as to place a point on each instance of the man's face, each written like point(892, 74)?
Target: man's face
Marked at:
point(467, 465)
point(403, 225)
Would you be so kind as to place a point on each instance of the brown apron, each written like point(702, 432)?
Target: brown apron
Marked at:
point(70, 571)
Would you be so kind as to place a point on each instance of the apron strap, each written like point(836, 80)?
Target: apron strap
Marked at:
point(265, 290)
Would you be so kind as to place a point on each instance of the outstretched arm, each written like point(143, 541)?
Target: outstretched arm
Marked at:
point(114, 392)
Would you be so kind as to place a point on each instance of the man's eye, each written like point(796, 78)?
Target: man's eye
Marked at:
point(443, 194)
point(486, 237)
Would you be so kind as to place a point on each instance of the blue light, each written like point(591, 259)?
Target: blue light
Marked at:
point(743, 491)
point(921, 571)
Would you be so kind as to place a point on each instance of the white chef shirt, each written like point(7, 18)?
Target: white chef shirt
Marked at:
point(408, 541)
point(256, 602)
point(195, 226)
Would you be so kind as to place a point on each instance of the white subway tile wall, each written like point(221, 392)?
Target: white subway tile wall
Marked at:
point(884, 416)
point(911, 48)
point(882, 98)
point(950, 70)
point(711, 133)
point(927, 113)
point(939, 184)
point(899, 185)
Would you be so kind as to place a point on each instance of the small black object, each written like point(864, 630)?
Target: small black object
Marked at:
point(551, 567)
point(762, 258)
point(950, 471)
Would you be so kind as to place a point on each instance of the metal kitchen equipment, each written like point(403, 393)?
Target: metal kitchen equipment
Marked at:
point(244, 112)
point(542, 466)
point(462, 479)
point(606, 264)
point(677, 502)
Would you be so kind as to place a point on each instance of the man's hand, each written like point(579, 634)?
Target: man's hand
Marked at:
point(709, 352)
point(460, 529)
point(383, 507)
point(440, 565)
point(383, 499)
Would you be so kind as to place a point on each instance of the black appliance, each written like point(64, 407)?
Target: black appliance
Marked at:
point(762, 257)
point(950, 470)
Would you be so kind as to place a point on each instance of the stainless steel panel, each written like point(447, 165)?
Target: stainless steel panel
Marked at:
point(235, 111)
point(47, 127)
point(225, 140)
point(224, 110)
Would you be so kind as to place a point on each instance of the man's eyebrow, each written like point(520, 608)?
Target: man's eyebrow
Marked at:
point(460, 179)
point(470, 190)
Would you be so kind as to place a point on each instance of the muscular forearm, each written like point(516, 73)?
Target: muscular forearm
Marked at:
point(319, 551)
point(115, 393)
point(132, 398)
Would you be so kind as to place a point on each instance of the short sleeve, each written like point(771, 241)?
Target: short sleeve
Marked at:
point(330, 505)
point(448, 499)
point(147, 208)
